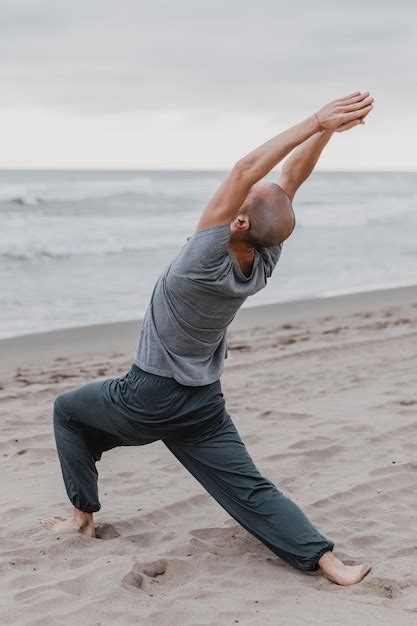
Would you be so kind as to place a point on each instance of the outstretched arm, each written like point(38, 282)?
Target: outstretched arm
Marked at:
point(300, 164)
point(302, 161)
point(227, 200)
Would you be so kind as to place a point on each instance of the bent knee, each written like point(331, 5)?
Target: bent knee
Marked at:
point(62, 408)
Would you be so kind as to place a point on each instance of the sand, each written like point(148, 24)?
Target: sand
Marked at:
point(324, 394)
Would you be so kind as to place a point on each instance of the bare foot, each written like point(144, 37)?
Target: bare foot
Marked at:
point(341, 574)
point(79, 521)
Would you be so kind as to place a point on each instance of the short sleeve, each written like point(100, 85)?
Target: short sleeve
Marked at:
point(270, 257)
point(208, 247)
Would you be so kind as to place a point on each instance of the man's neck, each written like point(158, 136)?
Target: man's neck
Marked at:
point(245, 255)
point(242, 249)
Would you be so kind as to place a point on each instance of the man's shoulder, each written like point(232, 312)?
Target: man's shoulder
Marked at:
point(270, 256)
point(209, 241)
point(204, 249)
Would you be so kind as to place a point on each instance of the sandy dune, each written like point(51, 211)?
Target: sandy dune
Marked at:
point(327, 405)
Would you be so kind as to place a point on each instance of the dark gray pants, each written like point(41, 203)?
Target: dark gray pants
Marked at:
point(140, 408)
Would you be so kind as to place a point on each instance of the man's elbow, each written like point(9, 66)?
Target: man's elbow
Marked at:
point(245, 170)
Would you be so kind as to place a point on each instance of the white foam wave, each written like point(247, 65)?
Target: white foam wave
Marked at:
point(33, 193)
point(75, 187)
point(37, 253)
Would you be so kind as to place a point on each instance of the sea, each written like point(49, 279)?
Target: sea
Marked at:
point(85, 247)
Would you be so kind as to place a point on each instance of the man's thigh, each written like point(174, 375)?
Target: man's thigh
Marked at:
point(99, 408)
point(218, 452)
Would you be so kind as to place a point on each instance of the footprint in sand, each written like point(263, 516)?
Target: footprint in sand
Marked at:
point(230, 541)
point(136, 577)
point(266, 415)
point(106, 531)
point(210, 533)
point(144, 539)
point(385, 587)
point(149, 575)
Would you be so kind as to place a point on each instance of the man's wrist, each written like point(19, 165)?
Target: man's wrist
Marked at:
point(318, 122)
point(313, 124)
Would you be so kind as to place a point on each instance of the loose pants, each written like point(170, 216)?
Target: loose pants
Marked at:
point(139, 408)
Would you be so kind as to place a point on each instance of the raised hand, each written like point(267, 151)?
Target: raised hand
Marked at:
point(337, 116)
point(345, 113)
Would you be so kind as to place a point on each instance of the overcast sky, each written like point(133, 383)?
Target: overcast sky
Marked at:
point(197, 84)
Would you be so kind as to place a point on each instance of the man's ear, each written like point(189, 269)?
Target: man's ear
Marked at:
point(241, 222)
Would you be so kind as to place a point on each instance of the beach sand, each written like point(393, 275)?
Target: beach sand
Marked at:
point(324, 394)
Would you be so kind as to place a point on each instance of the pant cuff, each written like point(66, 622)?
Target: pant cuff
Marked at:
point(328, 548)
point(86, 508)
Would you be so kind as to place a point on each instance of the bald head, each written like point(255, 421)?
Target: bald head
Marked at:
point(266, 218)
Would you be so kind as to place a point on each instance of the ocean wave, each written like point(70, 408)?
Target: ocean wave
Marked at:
point(72, 190)
point(78, 189)
point(24, 201)
point(36, 255)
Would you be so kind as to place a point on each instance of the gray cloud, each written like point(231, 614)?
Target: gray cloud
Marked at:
point(113, 57)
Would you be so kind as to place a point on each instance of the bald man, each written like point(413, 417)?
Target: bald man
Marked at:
point(172, 391)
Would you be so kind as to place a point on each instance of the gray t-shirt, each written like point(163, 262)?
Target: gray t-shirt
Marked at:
point(183, 333)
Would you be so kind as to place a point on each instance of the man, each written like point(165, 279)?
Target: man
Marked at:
point(172, 391)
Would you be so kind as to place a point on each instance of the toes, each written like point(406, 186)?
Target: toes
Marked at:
point(50, 522)
point(367, 569)
point(349, 575)
point(47, 523)
point(363, 571)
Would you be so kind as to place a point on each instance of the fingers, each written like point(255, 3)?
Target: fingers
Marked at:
point(354, 106)
point(358, 98)
point(349, 125)
point(351, 95)
point(353, 115)
point(363, 116)
point(358, 95)
point(354, 110)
